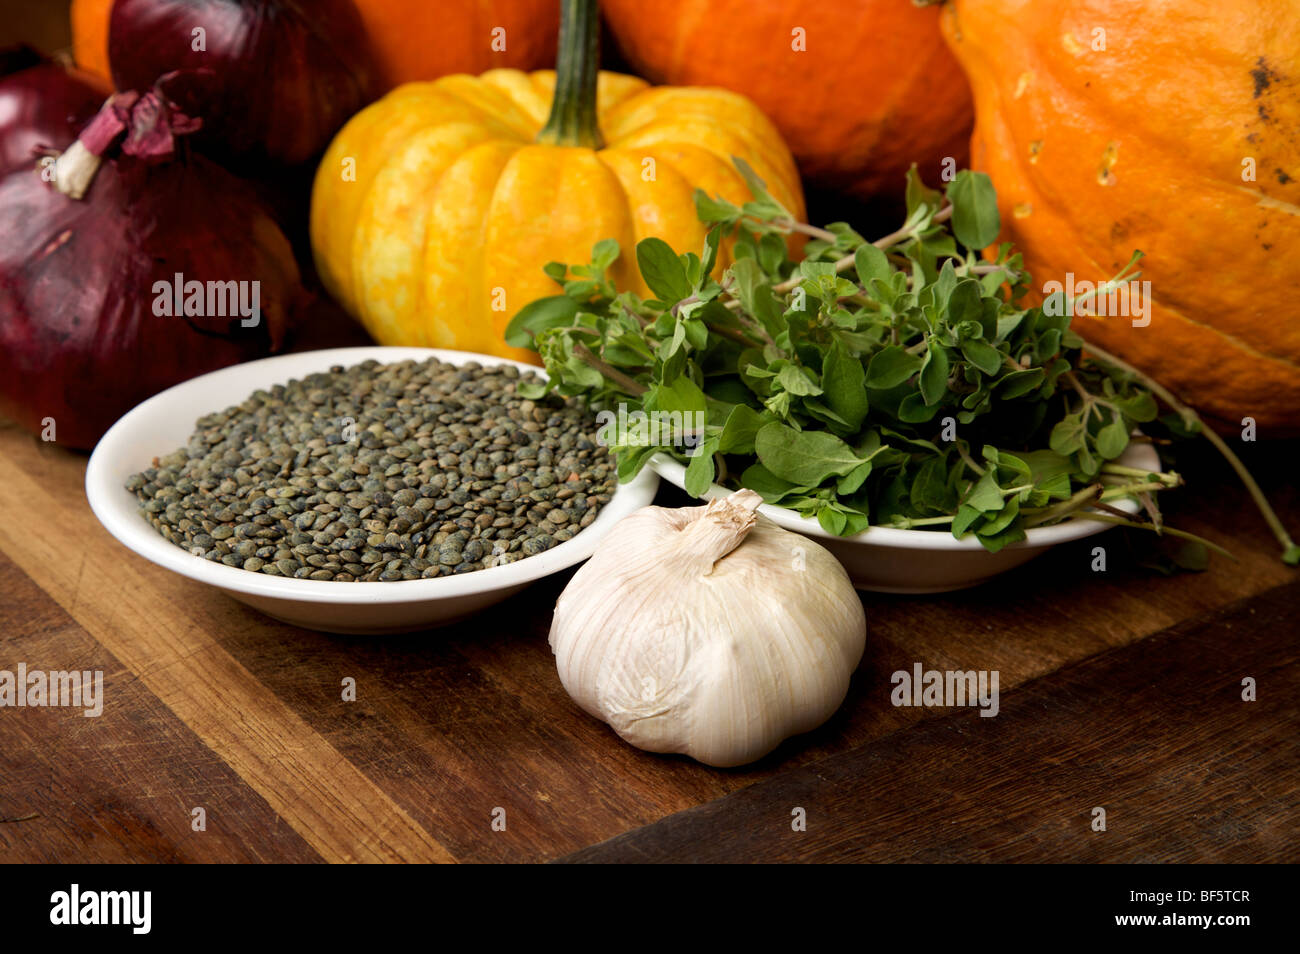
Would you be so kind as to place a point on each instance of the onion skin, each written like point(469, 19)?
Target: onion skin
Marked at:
point(279, 77)
point(79, 338)
point(42, 106)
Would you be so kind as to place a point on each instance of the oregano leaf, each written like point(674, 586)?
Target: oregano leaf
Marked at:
point(975, 219)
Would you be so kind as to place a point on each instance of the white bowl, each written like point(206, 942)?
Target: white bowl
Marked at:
point(888, 560)
point(165, 422)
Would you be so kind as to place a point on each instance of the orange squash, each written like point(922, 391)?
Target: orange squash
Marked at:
point(420, 40)
point(1169, 127)
point(435, 209)
point(411, 39)
point(90, 36)
point(860, 89)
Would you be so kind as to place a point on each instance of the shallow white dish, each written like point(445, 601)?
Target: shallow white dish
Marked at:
point(164, 422)
point(888, 560)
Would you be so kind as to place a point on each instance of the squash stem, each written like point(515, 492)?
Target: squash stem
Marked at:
point(577, 62)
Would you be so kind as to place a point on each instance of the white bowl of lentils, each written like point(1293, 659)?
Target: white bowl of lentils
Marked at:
point(361, 490)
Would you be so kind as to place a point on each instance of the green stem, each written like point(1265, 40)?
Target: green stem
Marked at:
point(577, 63)
point(1169, 479)
point(1169, 531)
point(1034, 516)
point(1290, 551)
point(1106, 287)
point(629, 385)
point(806, 229)
point(969, 461)
point(758, 329)
point(906, 523)
point(635, 317)
point(1113, 491)
point(734, 334)
point(889, 241)
point(990, 269)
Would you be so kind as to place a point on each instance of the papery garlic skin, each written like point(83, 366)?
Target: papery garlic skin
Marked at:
point(709, 631)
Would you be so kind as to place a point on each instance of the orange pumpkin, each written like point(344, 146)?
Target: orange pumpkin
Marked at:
point(90, 36)
point(1168, 127)
point(412, 39)
point(419, 40)
point(860, 89)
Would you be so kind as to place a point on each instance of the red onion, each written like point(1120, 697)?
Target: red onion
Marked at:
point(89, 317)
point(279, 77)
point(42, 106)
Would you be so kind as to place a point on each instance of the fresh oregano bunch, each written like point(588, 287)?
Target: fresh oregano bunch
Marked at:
point(900, 382)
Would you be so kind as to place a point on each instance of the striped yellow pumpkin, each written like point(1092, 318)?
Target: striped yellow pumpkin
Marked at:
point(435, 209)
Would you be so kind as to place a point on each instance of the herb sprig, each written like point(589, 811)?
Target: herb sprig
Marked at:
point(901, 382)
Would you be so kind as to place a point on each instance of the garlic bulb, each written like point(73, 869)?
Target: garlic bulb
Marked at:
point(709, 631)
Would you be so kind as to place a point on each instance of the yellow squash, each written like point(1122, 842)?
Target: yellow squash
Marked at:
point(435, 209)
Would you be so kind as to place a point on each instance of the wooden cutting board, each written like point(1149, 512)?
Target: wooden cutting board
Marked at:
point(1119, 689)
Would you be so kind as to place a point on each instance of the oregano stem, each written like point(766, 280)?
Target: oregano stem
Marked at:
point(1170, 531)
point(1290, 552)
point(733, 334)
point(1121, 470)
point(806, 229)
point(629, 385)
point(967, 459)
point(899, 235)
point(1124, 490)
point(573, 119)
point(906, 523)
point(888, 241)
point(1077, 501)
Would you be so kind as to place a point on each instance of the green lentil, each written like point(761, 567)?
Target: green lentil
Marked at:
point(381, 472)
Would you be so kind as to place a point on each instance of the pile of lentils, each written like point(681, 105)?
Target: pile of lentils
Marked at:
point(382, 472)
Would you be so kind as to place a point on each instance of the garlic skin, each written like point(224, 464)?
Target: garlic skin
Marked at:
point(708, 631)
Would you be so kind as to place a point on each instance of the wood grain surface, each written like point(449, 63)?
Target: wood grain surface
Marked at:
point(1156, 734)
point(1117, 690)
